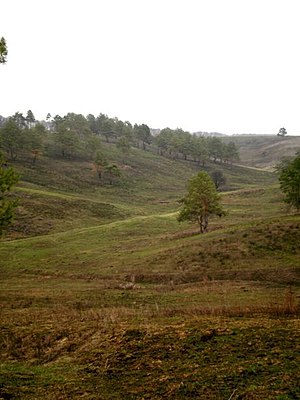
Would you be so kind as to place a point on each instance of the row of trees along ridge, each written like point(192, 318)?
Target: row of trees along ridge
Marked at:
point(76, 136)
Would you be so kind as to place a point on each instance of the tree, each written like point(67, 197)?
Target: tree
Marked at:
point(163, 140)
point(20, 120)
point(30, 119)
point(218, 178)
point(34, 141)
point(282, 132)
point(100, 163)
point(231, 152)
point(201, 201)
point(8, 178)
point(124, 145)
point(92, 122)
point(69, 130)
point(142, 134)
point(289, 179)
point(3, 51)
point(11, 138)
point(67, 141)
point(215, 148)
point(93, 145)
point(112, 172)
point(105, 126)
point(200, 150)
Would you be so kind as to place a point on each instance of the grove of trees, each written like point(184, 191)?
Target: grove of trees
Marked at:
point(180, 144)
point(75, 136)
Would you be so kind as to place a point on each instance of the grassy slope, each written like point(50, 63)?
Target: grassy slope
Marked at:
point(118, 300)
point(265, 151)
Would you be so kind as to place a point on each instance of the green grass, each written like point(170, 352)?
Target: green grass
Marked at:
point(104, 295)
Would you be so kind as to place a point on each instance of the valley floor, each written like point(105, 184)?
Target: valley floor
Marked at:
point(137, 306)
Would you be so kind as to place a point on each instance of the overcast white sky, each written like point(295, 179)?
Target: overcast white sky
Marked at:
point(230, 66)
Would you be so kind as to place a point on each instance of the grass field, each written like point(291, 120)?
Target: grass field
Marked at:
point(104, 295)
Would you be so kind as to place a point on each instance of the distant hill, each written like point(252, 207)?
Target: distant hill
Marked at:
point(209, 134)
point(264, 151)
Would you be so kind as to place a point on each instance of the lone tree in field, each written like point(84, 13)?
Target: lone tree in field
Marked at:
point(218, 178)
point(201, 201)
point(8, 178)
point(289, 178)
point(282, 132)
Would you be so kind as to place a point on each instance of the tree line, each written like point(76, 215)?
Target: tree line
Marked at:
point(77, 136)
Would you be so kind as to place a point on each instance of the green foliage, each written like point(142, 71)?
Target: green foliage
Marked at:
point(8, 178)
point(19, 119)
point(201, 201)
point(11, 138)
point(100, 163)
point(30, 119)
point(3, 51)
point(105, 126)
point(289, 178)
point(215, 148)
point(112, 172)
point(34, 140)
point(181, 144)
point(142, 133)
point(67, 141)
point(231, 152)
point(123, 144)
point(93, 144)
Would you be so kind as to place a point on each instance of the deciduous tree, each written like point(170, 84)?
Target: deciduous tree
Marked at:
point(282, 132)
point(112, 172)
point(201, 201)
point(218, 178)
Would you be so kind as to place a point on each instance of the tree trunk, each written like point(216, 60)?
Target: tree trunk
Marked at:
point(203, 223)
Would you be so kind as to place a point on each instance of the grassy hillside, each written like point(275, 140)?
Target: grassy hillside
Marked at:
point(104, 295)
point(57, 195)
point(265, 151)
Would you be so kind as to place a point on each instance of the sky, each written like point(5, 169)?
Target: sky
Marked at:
point(229, 66)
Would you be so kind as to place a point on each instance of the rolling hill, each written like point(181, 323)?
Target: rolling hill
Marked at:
point(265, 151)
point(104, 295)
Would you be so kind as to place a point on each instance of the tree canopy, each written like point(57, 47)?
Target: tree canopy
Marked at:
point(8, 178)
point(289, 178)
point(282, 132)
point(201, 201)
point(3, 51)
